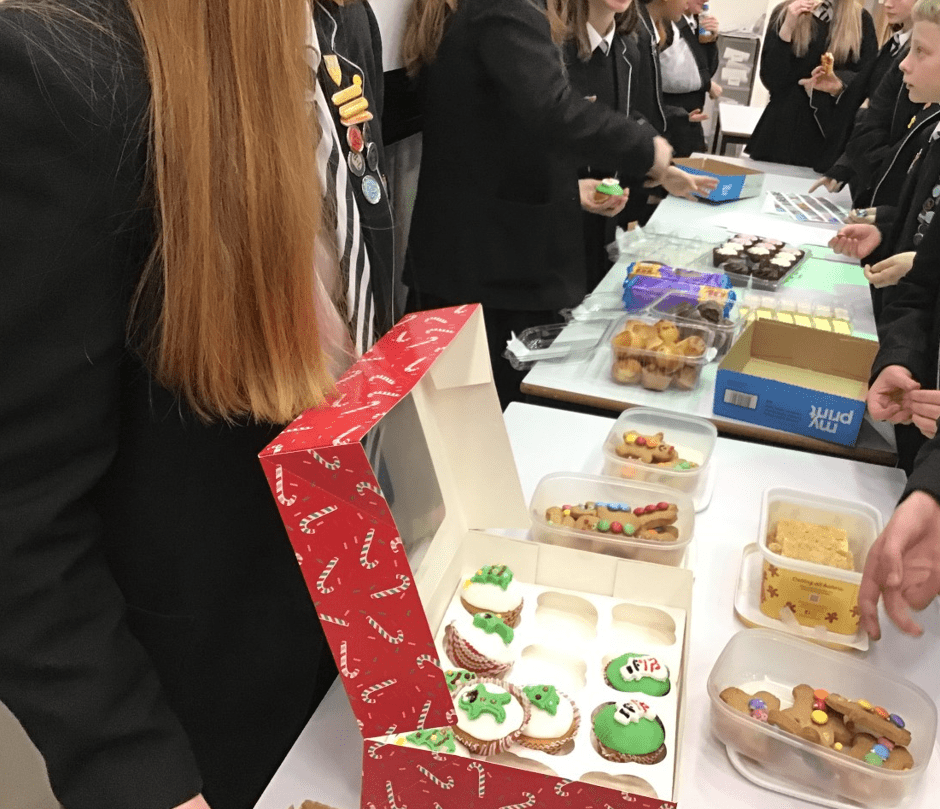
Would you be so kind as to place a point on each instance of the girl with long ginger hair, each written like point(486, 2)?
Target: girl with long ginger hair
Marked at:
point(800, 125)
point(165, 308)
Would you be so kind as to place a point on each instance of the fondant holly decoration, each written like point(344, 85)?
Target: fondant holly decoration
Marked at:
point(500, 575)
point(544, 697)
point(493, 624)
point(479, 701)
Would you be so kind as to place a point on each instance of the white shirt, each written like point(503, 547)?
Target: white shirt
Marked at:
point(680, 70)
point(603, 42)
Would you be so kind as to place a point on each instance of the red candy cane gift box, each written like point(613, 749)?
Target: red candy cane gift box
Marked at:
point(384, 492)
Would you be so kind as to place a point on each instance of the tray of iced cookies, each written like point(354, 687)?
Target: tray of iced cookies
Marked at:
point(658, 354)
point(819, 725)
point(803, 574)
point(565, 683)
point(630, 520)
point(647, 445)
point(755, 261)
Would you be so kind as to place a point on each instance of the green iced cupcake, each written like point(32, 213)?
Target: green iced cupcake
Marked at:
point(610, 187)
point(635, 673)
point(629, 732)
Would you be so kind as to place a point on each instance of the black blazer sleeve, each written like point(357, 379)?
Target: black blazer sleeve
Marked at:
point(906, 326)
point(926, 474)
point(527, 70)
point(69, 668)
point(779, 67)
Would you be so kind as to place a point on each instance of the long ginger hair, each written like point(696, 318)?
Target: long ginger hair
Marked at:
point(426, 20)
point(845, 31)
point(230, 311)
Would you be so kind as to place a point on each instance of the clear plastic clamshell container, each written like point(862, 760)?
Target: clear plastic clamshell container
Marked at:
point(764, 660)
point(556, 341)
point(692, 438)
point(687, 310)
point(597, 306)
point(664, 365)
point(563, 489)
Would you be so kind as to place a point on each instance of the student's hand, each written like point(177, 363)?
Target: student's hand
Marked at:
point(681, 183)
point(862, 216)
point(194, 803)
point(926, 410)
point(609, 206)
point(890, 395)
point(662, 157)
point(697, 116)
point(715, 90)
point(709, 23)
point(819, 79)
point(903, 566)
point(856, 241)
point(888, 272)
point(794, 11)
point(831, 185)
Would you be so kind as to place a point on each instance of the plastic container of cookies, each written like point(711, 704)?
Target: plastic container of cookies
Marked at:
point(684, 310)
point(816, 594)
point(693, 439)
point(654, 368)
point(563, 488)
point(764, 660)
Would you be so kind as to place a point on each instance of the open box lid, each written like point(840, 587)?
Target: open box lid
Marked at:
point(378, 486)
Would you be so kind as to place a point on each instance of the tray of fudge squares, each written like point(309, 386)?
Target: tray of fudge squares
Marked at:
point(571, 684)
point(755, 262)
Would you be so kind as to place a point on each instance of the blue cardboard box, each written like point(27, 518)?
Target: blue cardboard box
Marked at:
point(734, 182)
point(796, 379)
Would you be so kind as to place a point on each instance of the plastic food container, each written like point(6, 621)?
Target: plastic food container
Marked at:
point(693, 438)
point(764, 660)
point(675, 306)
point(655, 370)
point(557, 341)
point(567, 488)
point(816, 594)
point(597, 306)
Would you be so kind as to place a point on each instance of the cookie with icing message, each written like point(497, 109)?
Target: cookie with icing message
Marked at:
point(629, 732)
point(638, 673)
point(481, 643)
point(490, 715)
point(493, 589)
point(553, 722)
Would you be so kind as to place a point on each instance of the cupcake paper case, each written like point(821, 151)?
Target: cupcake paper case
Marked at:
point(553, 722)
point(490, 715)
point(629, 732)
point(492, 589)
point(482, 644)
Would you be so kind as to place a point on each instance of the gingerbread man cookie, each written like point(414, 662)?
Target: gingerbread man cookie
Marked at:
point(647, 522)
point(651, 449)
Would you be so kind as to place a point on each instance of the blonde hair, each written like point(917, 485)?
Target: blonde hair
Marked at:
point(926, 11)
point(625, 22)
point(426, 20)
point(845, 31)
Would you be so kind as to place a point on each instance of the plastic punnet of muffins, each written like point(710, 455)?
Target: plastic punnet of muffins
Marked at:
point(657, 355)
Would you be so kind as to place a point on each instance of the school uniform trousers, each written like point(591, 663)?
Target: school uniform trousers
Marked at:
point(497, 216)
point(689, 136)
point(794, 128)
point(157, 636)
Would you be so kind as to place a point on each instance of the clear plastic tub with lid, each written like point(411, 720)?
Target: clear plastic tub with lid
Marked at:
point(763, 660)
point(628, 509)
point(723, 321)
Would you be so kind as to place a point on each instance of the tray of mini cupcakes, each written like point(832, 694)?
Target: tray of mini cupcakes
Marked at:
point(756, 262)
point(565, 683)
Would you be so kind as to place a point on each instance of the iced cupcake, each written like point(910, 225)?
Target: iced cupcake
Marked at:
point(482, 643)
point(490, 715)
point(629, 732)
point(553, 722)
point(638, 673)
point(492, 589)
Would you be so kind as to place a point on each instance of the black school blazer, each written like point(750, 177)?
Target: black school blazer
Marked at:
point(156, 636)
point(497, 217)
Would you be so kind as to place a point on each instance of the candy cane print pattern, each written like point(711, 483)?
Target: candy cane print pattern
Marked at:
point(373, 753)
point(422, 659)
point(427, 342)
point(344, 669)
point(435, 319)
point(391, 591)
point(331, 465)
point(279, 487)
point(413, 367)
point(448, 784)
point(530, 801)
point(391, 797)
point(461, 309)
point(395, 639)
point(321, 582)
point(367, 693)
point(342, 436)
point(305, 522)
point(277, 448)
point(366, 486)
point(331, 620)
point(481, 778)
point(560, 790)
point(424, 715)
point(382, 378)
point(364, 553)
point(395, 545)
point(442, 331)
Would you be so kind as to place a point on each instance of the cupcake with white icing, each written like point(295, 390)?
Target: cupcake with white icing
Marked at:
point(492, 589)
point(481, 643)
point(490, 715)
point(553, 721)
